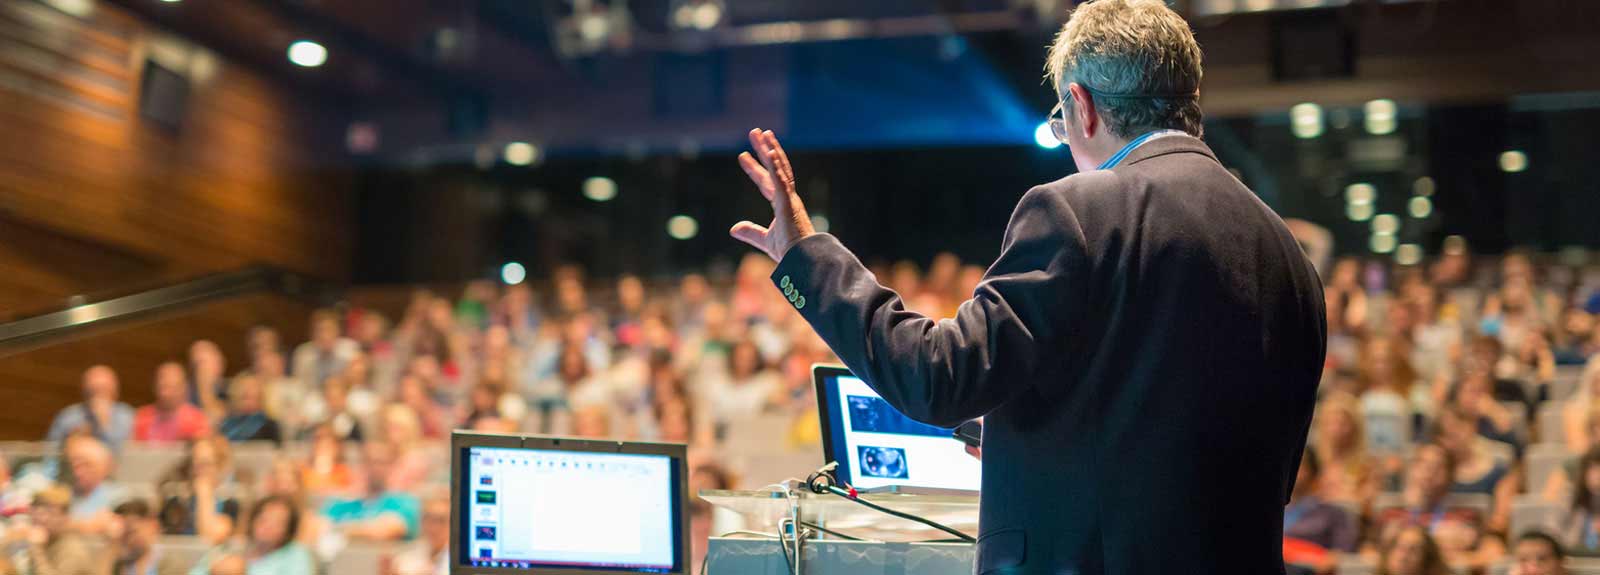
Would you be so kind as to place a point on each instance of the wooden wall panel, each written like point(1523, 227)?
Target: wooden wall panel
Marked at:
point(251, 176)
point(36, 384)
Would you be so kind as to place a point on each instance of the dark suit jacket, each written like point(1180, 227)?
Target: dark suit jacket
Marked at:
point(1146, 350)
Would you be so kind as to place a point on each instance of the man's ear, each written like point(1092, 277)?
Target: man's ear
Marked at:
point(1088, 122)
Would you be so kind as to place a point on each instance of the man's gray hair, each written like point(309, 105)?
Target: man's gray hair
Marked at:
point(1139, 61)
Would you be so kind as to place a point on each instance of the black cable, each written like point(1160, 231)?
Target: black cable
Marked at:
point(907, 516)
point(831, 532)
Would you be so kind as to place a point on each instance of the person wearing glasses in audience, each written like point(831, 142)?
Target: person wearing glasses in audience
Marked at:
point(430, 554)
point(1140, 311)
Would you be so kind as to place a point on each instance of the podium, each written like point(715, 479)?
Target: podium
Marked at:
point(893, 546)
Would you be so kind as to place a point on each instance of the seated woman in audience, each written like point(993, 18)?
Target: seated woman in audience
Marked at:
point(325, 471)
point(1483, 466)
point(489, 398)
point(1461, 531)
point(744, 389)
point(402, 429)
point(268, 548)
point(247, 420)
point(1349, 476)
point(198, 496)
point(1474, 397)
point(554, 398)
point(1576, 413)
point(1311, 520)
point(1581, 530)
point(413, 393)
point(1411, 551)
point(332, 409)
point(282, 397)
point(1391, 401)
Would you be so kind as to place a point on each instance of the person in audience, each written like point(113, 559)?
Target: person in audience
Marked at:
point(332, 408)
point(134, 550)
point(284, 478)
point(261, 339)
point(1537, 553)
point(402, 430)
point(1482, 464)
point(100, 413)
point(1474, 396)
point(206, 368)
point(269, 546)
point(1460, 531)
point(702, 515)
point(1576, 413)
point(1582, 525)
point(1390, 400)
point(1411, 551)
point(592, 420)
point(51, 546)
point(247, 420)
point(745, 388)
point(430, 554)
point(382, 513)
point(554, 398)
point(91, 464)
point(171, 418)
point(325, 356)
point(1310, 519)
point(414, 394)
point(282, 397)
point(197, 492)
point(1350, 475)
point(325, 470)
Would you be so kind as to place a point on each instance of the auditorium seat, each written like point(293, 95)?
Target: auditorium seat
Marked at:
point(1355, 565)
point(187, 550)
point(147, 462)
point(1478, 502)
point(1529, 513)
point(1544, 463)
point(1551, 416)
point(362, 558)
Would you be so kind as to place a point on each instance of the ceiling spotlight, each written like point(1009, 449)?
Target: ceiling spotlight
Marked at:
point(1360, 193)
point(820, 223)
point(521, 153)
point(1385, 224)
point(1381, 116)
point(1358, 212)
point(1408, 254)
point(307, 53)
point(1513, 161)
point(513, 273)
point(1382, 243)
point(682, 227)
point(1424, 186)
point(600, 189)
point(1420, 207)
point(1305, 120)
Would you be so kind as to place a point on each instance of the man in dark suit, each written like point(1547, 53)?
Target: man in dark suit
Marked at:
point(1146, 349)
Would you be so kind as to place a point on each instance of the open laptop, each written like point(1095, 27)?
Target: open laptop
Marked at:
point(879, 449)
point(563, 506)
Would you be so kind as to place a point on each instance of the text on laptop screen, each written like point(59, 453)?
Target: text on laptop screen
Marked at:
point(545, 508)
point(886, 448)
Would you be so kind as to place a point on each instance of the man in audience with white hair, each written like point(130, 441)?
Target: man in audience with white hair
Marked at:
point(100, 413)
point(51, 546)
point(93, 494)
point(430, 554)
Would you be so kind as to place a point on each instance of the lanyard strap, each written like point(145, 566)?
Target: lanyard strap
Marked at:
point(1128, 149)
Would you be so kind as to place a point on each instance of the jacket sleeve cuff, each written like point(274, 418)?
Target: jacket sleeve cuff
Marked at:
point(795, 271)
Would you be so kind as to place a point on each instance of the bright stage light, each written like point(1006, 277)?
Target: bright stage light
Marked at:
point(1408, 254)
point(521, 153)
point(513, 273)
point(1381, 116)
point(1420, 207)
point(307, 53)
point(1305, 120)
point(600, 189)
point(682, 227)
point(1045, 137)
point(1513, 161)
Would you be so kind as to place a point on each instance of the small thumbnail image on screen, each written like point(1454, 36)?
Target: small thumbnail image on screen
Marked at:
point(873, 414)
point(883, 462)
point(486, 532)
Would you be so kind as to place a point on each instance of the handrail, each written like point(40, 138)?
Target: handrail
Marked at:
point(35, 331)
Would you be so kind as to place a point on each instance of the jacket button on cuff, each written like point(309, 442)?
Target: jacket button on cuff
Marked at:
point(784, 283)
point(800, 303)
point(792, 295)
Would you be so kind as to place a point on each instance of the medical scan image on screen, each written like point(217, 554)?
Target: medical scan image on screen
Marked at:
point(887, 448)
point(543, 508)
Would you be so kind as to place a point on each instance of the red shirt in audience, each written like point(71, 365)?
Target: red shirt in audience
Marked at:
point(182, 424)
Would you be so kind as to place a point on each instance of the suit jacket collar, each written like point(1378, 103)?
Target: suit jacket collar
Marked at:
point(1174, 144)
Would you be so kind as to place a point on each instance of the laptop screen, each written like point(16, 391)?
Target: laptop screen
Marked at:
point(534, 508)
point(876, 446)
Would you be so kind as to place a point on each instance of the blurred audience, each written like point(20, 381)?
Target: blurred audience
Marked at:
point(429, 554)
point(171, 418)
point(1411, 551)
point(247, 419)
point(100, 413)
point(381, 513)
point(1537, 553)
point(268, 545)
